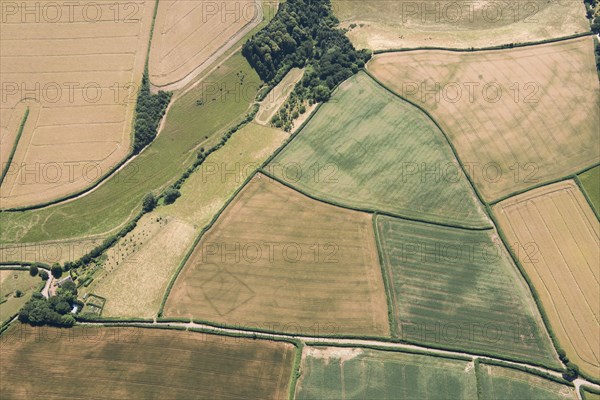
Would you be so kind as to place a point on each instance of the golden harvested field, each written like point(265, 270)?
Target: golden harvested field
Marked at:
point(556, 236)
point(190, 34)
point(384, 24)
point(135, 363)
point(277, 96)
point(278, 260)
point(78, 68)
point(517, 117)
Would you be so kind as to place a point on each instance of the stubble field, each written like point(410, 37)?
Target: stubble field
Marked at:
point(189, 32)
point(78, 68)
point(556, 236)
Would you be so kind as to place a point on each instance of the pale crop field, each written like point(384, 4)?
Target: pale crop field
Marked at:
point(556, 236)
point(384, 24)
point(189, 34)
point(355, 373)
point(138, 269)
point(368, 149)
point(276, 259)
point(77, 68)
point(459, 289)
point(498, 383)
point(517, 117)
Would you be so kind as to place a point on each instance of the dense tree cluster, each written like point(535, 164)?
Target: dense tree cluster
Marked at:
point(53, 311)
point(304, 34)
point(149, 109)
point(593, 13)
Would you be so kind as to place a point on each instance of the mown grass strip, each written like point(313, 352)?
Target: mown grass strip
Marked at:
point(296, 371)
point(389, 293)
point(476, 49)
point(14, 148)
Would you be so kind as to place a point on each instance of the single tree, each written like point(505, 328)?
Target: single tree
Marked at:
point(149, 202)
point(56, 270)
point(33, 270)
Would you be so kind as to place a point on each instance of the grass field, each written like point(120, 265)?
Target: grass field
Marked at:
point(459, 289)
point(138, 268)
point(188, 33)
point(498, 383)
point(118, 363)
point(277, 260)
point(588, 395)
point(591, 184)
point(79, 71)
point(384, 24)
point(498, 108)
point(277, 96)
point(187, 127)
point(556, 236)
point(354, 373)
point(10, 282)
point(366, 148)
point(48, 252)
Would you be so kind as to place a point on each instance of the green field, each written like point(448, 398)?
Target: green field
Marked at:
point(188, 126)
point(136, 363)
point(498, 383)
point(10, 282)
point(591, 184)
point(368, 149)
point(354, 373)
point(589, 395)
point(458, 289)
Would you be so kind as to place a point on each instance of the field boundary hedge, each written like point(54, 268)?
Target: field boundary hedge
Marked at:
point(487, 48)
point(586, 196)
point(495, 224)
point(545, 183)
point(369, 210)
point(530, 371)
point(296, 370)
point(130, 156)
point(387, 285)
point(587, 389)
point(14, 147)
